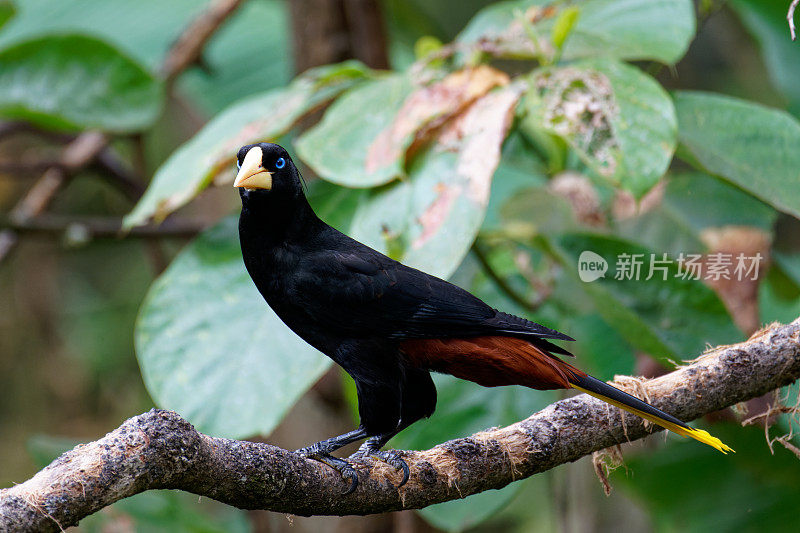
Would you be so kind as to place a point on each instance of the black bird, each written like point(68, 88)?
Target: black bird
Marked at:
point(389, 325)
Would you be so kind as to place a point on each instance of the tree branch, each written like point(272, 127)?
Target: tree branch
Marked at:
point(78, 153)
point(159, 449)
point(92, 227)
point(189, 46)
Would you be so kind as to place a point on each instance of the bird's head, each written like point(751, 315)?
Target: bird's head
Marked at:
point(266, 170)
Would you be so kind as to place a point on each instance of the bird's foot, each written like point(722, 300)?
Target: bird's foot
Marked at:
point(340, 465)
point(321, 451)
point(390, 457)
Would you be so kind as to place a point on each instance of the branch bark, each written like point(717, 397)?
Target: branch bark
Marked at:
point(188, 49)
point(159, 449)
point(79, 153)
point(86, 228)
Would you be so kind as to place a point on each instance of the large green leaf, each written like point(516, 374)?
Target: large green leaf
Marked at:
point(773, 302)
point(599, 348)
point(150, 26)
point(7, 10)
point(337, 148)
point(211, 349)
point(692, 488)
point(519, 169)
point(660, 30)
point(666, 315)
point(248, 54)
point(430, 220)
point(262, 117)
point(766, 20)
point(618, 119)
point(752, 146)
point(76, 81)
point(692, 203)
point(537, 211)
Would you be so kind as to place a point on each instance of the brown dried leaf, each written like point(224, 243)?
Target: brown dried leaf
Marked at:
point(578, 190)
point(740, 296)
point(427, 109)
point(477, 136)
point(433, 216)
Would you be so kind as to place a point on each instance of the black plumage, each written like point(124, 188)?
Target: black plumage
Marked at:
point(388, 325)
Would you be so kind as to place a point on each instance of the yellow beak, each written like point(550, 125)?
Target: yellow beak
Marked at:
point(251, 174)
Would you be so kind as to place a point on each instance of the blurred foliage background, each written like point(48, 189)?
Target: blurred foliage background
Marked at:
point(490, 143)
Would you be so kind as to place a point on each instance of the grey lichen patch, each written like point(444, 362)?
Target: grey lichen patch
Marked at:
point(579, 106)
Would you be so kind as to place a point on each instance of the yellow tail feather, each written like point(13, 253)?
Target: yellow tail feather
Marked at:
point(697, 434)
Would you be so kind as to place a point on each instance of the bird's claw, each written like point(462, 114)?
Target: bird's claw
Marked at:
point(340, 465)
point(390, 457)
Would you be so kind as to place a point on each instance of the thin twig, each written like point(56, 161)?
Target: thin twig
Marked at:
point(160, 450)
point(790, 18)
point(129, 183)
point(22, 169)
point(188, 48)
point(87, 228)
point(76, 155)
point(501, 283)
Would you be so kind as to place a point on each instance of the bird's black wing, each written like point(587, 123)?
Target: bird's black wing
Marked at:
point(364, 293)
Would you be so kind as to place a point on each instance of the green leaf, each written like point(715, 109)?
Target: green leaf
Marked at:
point(168, 510)
point(665, 316)
point(337, 148)
point(74, 81)
point(211, 349)
point(146, 29)
point(773, 302)
point(519, 169)
point(618, 119)
point(536, 211)
point(262, 117)
point(659, 30)
point(562, 27)
point(466, 513)
point(766, 20)
point(692, 488)
point(599, 349)
point(692, 203)
point(464, 408)
point(7, 10)
point(750, 145)
point(430, 220)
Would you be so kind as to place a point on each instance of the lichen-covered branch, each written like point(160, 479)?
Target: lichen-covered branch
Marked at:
point(159, 449)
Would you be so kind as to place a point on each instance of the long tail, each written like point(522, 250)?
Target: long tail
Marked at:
point(623, 400)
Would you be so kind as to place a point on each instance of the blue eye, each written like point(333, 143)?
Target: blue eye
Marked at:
point(280, 163)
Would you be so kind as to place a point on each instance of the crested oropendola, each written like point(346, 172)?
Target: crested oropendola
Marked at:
point(389, 325)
